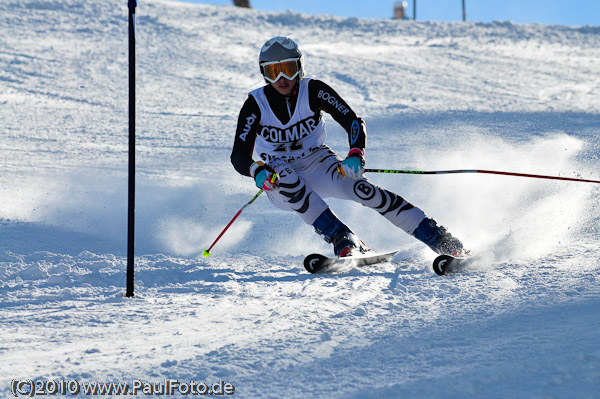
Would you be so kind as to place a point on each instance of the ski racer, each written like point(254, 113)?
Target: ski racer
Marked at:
point(281, 125)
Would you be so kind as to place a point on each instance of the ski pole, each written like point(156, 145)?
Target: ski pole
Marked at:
point(206, 252)
point(494, 172)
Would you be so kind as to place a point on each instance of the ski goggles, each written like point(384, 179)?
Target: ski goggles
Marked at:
point(274, 70)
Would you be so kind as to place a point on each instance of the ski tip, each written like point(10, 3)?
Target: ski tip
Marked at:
point(206, 253)
point(312, 263)
point(441, 263)
point(448, 264)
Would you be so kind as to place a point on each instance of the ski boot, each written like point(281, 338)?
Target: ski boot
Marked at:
point(439, 239)
point(345, 243)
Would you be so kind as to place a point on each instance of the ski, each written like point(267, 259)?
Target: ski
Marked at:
point(317, 263)
point(446, 264)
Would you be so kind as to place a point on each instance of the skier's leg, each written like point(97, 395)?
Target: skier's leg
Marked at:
point(344, 241)
point(390, 205)
point(438, 238)
point(329, 183)
point(294, 194)
point(405, 216)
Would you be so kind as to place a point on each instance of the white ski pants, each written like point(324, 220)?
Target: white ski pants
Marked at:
point(304, 182)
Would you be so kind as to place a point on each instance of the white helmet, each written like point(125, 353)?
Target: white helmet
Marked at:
point(280, 56)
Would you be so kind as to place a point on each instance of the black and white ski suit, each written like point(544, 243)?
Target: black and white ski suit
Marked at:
point(287, 133)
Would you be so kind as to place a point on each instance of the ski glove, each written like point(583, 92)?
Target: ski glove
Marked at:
point(265, 178)
point(354, 164)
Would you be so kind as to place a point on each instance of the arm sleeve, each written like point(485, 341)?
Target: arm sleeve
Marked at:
point(324, 98)
point(245, 136)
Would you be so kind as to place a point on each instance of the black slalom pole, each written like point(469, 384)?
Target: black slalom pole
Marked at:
point(131, 197)
point(415, 10)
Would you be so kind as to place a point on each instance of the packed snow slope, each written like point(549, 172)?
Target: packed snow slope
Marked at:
point(522, 322)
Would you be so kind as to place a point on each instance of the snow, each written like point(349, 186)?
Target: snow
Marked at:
point(524, 322)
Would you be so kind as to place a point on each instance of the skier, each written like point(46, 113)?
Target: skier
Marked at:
point(281, 123)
